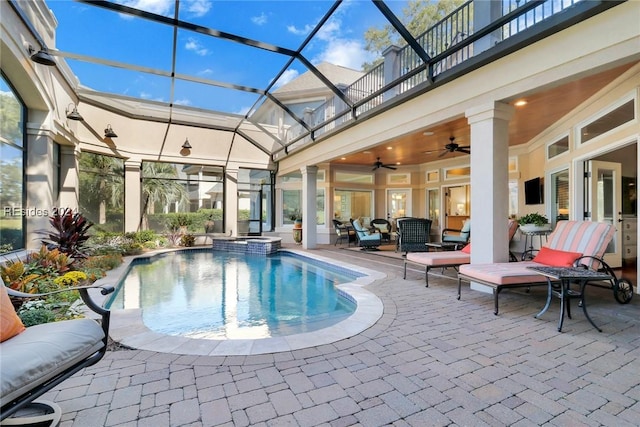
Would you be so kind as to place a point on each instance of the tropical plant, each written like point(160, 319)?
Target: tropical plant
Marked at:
point(187, 240)
point(70, 232)
point(160, 187)
point(533, 218)
point(101, 185)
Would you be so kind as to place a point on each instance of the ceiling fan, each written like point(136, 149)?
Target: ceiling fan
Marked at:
point(378, 164)
point(452, 146)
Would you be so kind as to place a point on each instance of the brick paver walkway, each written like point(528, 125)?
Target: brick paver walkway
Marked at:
point(430, 361)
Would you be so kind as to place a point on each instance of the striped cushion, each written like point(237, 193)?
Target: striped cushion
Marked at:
point(586, 237)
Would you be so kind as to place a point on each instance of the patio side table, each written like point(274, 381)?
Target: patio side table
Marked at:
point(566, 275)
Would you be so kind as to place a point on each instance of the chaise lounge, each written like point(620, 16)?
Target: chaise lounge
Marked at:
point(570, 241)
point(34, 360)
point(448, 259)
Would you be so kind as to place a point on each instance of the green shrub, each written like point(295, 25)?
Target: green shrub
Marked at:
point(36, 316)
point(187, 240)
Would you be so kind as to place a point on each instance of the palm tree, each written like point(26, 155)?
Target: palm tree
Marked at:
point(101, 183)
point(160, 186)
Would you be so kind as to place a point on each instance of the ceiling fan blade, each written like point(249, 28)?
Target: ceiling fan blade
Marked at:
point(464, 150)
point(464, 146)
point(374, 168)
point(389, 167)
point(443, 153)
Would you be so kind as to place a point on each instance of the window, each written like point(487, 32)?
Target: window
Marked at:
point(457, 173)
point(560, 195)
point(182, 196)
point(556, 148)
point(12, 119)
point(433, 176)
point(399, 178)
point(291, 206)
point(355, 178)
point(102, 191)
point(618, 116)
point(350, 204)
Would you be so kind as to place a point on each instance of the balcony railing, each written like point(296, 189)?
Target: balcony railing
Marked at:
point(464, 34)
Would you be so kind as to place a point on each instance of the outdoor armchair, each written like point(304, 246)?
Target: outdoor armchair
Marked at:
point(384, 228)
point(366, 239)
point(452, 235)
point(413, 235)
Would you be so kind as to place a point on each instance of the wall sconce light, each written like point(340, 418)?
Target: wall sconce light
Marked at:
point(186, 144)
point(41, 56)
point(73, 114)
point(109, 133)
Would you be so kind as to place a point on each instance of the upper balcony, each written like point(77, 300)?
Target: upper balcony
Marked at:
point(475, 34)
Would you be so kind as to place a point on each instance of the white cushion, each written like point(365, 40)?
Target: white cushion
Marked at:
point(43, 351)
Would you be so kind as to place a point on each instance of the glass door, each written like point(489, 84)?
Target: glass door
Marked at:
point(604, 202)
point(250, 213)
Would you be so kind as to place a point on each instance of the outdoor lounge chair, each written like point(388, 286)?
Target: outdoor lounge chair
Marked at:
point(343, 231)
point(445, 259)
point(384, 228)
point(573, 239)
point(40, 357)
point(413, 235)
point(366, 239)
point(461, 236)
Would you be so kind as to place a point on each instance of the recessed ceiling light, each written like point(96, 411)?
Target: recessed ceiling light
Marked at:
point(398, 163)
point(520, 103)
point(366, 152)
point(389, 148)
point(428, 133)
point(343, 158)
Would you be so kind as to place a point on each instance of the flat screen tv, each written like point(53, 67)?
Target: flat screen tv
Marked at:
point(534, 191)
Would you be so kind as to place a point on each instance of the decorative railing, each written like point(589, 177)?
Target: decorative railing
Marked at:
point(459, 36)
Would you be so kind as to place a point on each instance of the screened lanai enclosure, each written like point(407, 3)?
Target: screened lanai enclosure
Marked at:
point(189, 106)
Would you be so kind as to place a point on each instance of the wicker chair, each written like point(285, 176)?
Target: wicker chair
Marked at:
point(413, 235)
point(343, 231)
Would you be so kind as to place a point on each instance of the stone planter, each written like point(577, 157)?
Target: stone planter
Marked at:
point(533, 228)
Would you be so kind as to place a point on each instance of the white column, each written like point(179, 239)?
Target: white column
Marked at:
point(489, 181)
point(309, 208)
point(231, 204)
point(484, 13)
point(133, 195)
point(391, 69)
point(69, 177)
point(39, 169)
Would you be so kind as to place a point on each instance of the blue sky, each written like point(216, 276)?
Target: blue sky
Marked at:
point(96, 32)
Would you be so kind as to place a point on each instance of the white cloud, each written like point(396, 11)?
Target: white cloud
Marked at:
point(198, 7)
point(160, 7)
point(243, 111)
point(195, 46)
point(260, 19)
point(345, 52)
point(300, 31)
point(182, 102)
point(165, 7)
point(286, 77)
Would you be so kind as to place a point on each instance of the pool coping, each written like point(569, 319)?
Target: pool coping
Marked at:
point(128, 329)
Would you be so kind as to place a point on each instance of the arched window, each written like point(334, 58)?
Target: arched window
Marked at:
point(12, 149)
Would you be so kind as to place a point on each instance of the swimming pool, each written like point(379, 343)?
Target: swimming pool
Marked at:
point(219, 295)
point(127, 327)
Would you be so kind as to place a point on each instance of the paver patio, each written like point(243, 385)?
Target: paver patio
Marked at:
point(429, 361)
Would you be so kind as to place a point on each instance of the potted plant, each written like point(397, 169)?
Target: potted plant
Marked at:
point(296, 217)
point(534, 222)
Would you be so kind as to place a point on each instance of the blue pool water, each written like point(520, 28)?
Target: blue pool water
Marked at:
point(216, 295)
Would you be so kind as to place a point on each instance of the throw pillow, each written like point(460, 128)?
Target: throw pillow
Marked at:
point(466, 249)
point(10, 323)
point(556, 258)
